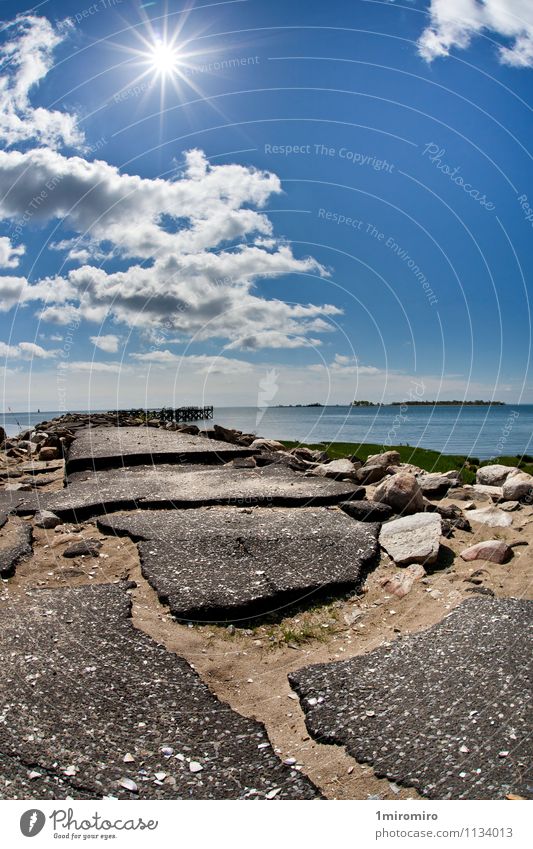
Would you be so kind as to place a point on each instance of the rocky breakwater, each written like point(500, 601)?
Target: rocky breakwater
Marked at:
point(228, 527)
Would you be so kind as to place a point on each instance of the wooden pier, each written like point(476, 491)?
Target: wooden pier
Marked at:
point(170, 414)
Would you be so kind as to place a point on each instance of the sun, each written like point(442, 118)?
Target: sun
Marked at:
point(164, 58)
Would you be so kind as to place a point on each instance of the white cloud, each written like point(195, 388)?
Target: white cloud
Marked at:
point(193, 282)
point(453, 23)
point(26, 56)
point(108, 342)
point(25, 351)
point(9, 254)
point(199, 363)
point(11, 289)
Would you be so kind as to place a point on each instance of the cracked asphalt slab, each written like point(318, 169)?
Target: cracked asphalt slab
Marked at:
point(15, 543)
point(93, 493)
point(92, 707)
point(446, 710)
point(104, 448)
point(218, 563)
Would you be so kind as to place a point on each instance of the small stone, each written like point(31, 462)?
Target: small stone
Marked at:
point(33, 775)
point(167, 751)
point(503, 754)
point(128, 758)
point(84, 548)
point(160, 776)
point(70, 770)
point(272, 793)
point(128, 784)
point(194, 766)
point(464, 749)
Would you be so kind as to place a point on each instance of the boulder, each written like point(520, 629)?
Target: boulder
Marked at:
point(312, 456)
point(242, 463)
point(493, 550)
point(518, 487)
point(3, 435)
point(436, 484)
point(453, 518)
point(367, 511)
point(336, 470)
point(494, 475)
point(385, 459)
point(412, 539)
point(226, 434)
point(267, 445)
point(406, 467)
point(49, 454)
point(192, 430)
point(401, 492)
point(494, 492)
point(468, 493)
point(492, 517)
point(371, 474)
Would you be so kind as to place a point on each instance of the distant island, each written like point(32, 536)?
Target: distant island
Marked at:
point(448, 403)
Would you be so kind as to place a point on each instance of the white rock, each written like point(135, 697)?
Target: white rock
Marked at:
point(336, 469)
point(518, 487)
point(491, 516)
point(494, 475)
point(494, 492)
point(412, 539)
point(194, 766)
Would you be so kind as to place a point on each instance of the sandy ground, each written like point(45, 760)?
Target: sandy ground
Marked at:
point(248, 667)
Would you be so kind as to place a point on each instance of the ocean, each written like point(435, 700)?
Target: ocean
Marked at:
point(481, 432)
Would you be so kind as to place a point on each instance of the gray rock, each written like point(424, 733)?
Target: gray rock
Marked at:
point(437, 484)
point(437, 709)
point(83, 548)
point(385, 459)
point(48, 453)
point(412, 539)
point(218, 563)
point(494, 475)
point(370, 474)
point(367, 511)
point(401, 492)
point(492, 517)
point(46, 519)
point(92, 688)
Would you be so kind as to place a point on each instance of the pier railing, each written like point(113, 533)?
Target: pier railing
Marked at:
point(170, 414)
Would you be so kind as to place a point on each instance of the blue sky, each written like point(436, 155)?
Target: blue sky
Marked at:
point(227, 201)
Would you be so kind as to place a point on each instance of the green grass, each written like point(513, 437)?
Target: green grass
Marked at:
point(431, 461)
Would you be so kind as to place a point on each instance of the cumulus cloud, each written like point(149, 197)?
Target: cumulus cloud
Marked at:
point(108, 343)
point(25, 351)
point(10, 254)
point(200, 363)
point(197, 244)
point(11, 289)
point(26, 56)
point(453, 23)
